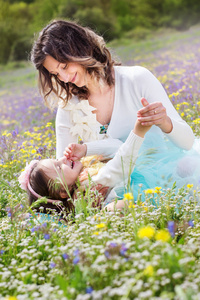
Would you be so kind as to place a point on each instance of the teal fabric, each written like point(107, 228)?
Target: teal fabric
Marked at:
point(161, 163)
point(42, 218)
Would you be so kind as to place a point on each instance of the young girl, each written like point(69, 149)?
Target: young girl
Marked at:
point(55, 179)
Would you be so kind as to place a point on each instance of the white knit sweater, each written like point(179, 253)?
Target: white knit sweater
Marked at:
point(131, 84)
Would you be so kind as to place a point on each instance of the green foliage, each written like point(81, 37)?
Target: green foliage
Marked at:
point(14, 22)
point(20, 20)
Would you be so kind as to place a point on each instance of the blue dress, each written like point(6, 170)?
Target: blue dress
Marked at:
point(161, 163)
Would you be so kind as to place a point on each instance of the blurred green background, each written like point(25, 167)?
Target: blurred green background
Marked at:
point(114, 19)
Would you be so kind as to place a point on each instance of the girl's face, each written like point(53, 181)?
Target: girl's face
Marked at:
point(66, 72)
point(64, 169)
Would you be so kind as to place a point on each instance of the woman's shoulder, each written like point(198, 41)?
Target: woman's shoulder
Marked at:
point(131, 71)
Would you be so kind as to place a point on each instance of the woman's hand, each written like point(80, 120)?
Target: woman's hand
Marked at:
point(154, 114)
point(75, 151)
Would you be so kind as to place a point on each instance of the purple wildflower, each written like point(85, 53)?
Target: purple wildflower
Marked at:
point(113, 245)
point(171, 228)
point(107, 254)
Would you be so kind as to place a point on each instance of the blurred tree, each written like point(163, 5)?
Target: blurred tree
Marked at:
point(96, 14)
point(25, 1)
point(21, 19)
point(43, 12)
point(14, 20)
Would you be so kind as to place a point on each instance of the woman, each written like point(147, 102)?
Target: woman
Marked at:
point(99, 101)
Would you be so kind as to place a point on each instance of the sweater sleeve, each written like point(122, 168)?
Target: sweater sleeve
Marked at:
point(151, 89)
point(122, 164)
point(63, 135)
point(106, 147)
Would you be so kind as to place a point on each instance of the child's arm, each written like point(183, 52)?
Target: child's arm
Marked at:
point(75, 151)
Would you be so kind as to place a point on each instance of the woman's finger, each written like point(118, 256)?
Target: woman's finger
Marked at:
point(151, 108)
point(150, 112)
point(149, 121)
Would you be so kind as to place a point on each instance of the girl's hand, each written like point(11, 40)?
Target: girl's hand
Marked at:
point(75, 151)
point(139, 129)
point(154, 114)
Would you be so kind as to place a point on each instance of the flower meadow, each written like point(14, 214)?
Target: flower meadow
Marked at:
point(150, 250)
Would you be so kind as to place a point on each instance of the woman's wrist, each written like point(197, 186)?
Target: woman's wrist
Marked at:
point(166, 126)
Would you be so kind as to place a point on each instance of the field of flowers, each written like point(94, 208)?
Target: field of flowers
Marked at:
point(140, 253)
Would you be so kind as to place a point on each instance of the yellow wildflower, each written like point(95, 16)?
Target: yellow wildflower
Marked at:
point(48, 124)
point(162, 235)
point(197, 121)
point(145, 207)
point(95, 232)
point(149, 191)
point(158, 189)
point(128, 196)
point(146, 232)
point(189, 186)
point(100, 225)
point(131, 204)
point(149, 271)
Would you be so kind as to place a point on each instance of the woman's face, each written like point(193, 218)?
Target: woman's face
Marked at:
point(64, 169)
point(66, 72)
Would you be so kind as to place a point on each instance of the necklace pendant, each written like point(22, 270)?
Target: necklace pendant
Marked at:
point(103, 129)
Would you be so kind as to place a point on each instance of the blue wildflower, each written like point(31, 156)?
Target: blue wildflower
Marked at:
point(191, 223)
point(76, 260)
point(76, 252)
point(65, 256)
point(89, 290)
point(52, 265)
point(2, 251)
point(107, 254)
point(123, 249)
point(47, 236)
